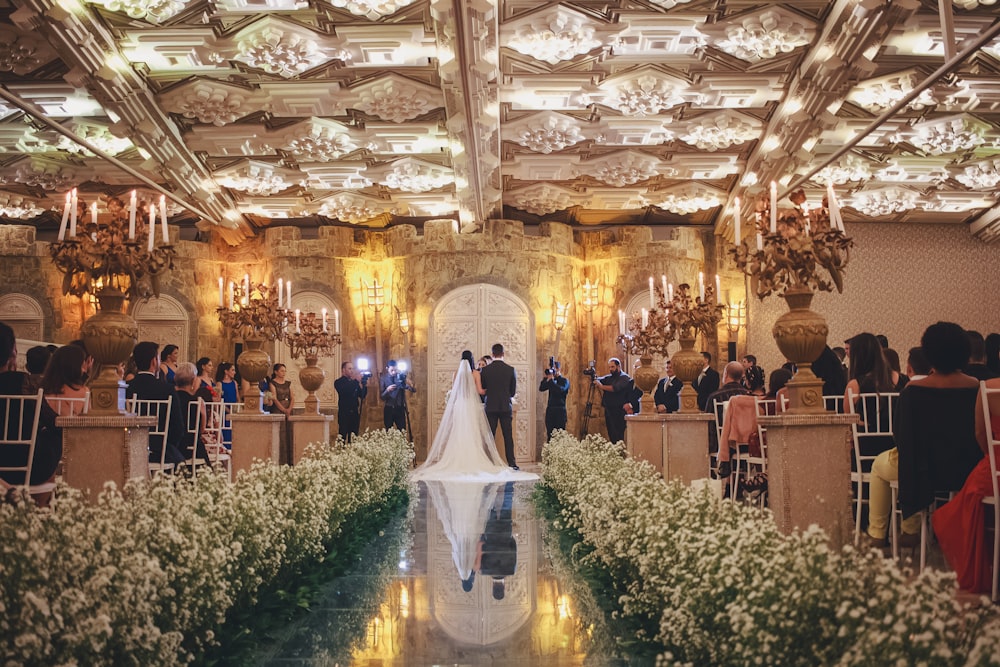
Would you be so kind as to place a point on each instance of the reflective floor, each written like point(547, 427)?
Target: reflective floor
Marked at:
point(463, 580)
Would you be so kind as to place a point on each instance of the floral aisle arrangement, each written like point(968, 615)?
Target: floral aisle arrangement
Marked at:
point(148, 575)
point(725, 587)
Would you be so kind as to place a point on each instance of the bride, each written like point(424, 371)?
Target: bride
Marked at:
point(463, 447)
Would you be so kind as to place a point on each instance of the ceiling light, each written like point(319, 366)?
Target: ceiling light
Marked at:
point(878, 203)
point(982, 176)
point(763, 37)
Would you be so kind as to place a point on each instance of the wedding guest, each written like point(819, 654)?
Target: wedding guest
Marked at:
point(206, 378)
point(88, 365)
point(831, 371)
point(992, 347)
point(668, 390)
point(187, 384)
point(48, 441)
point(753, 375)
point(616, 391)
point(64, 378)
point(936, 445)
point(148, 387)
point(896, 375)
point(484, 361)
point(35, 361)
point(960, 525)
point(977, 367)
point(869, 371)
point(168, 363)
point(352, 388)
point(225, 383)
point(732, 387)
point(282, 401)
point(917, 366)
point(707, 382)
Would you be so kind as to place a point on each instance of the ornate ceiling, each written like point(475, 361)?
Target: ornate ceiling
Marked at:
point(593, 112)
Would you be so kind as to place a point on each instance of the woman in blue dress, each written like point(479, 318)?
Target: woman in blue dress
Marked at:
point(226, 387)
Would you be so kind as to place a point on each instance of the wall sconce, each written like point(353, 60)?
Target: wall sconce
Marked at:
point(736, 317)
point(375, 294)
point(404, 321)
point(590, 295)
point(562, 311)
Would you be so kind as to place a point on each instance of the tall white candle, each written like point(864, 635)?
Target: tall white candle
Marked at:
point(774, 207)
point(246, 287)
point(736, 222)
point(701, 285)
point(163, 219)
point(152, 227)
point(670, 289)
point(760, 241)
point(288, 296)
point(324, 320)
point(836, 222)
point(281, 291)
point(222, 292)
point(298, 314)
point(645, 318)
point(621, 323)
point(336, 321)
point(232, 293)
point(65, 218)
point(652, 300)
point(718, 287)
point(93, 213)
point(131, 218)
point(663, 281)
point(72, 215)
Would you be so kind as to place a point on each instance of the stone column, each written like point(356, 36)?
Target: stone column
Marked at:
point(306, 429)
point(644, 438)
point(809, 473)
point(685, 451)
point(104, 448)
point(256, 437)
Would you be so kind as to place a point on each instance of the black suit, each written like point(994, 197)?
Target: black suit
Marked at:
point(668, 395)
point(499, 557)
point(706, 385)
point(500, 382)
point(148, 387)
point(351, 394)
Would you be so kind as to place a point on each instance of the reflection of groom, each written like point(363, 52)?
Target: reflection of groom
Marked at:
point(498, 548)
point(500, 384)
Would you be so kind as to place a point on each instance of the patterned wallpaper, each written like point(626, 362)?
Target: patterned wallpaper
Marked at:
point(901, 279)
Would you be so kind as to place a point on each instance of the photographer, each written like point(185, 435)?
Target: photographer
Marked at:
point(352, 387)
point(393, 386)
point(558, 386)
point(617, 391)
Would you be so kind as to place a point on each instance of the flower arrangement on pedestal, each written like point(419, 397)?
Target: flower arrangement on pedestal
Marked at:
point(312, 339)
point(795, 251)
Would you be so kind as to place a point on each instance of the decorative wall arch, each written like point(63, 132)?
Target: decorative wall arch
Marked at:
point(24, 315)
point(634, 307)
point(312, 301)
point(474, 317)
point(165, 320)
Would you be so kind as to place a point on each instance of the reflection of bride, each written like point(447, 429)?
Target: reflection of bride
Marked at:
point(463, 446)
point(463, 508)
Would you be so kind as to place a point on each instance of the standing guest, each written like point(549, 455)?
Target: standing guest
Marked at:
point(668, 390)
point(282, 400)
point(48, 442)
point(557, 386)
point(206, 378)
point(187, 385)
point(977, 367)
point(483, 362)
point(168, 363)
point(634, 404)
point(992, 347)
point(64, 378)
point(753, 375)
point(616, 391)
point(936, 445)
point(896, 375)
point(148, 387)
point(35, 361)
point(707, 382)
point(227, 388)
point(352, 388)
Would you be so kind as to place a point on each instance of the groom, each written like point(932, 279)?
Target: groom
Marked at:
point(499, 382)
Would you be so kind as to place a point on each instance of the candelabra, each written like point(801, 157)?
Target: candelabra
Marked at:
point(312, 339)
point(255, 316)
point(114, 259)
point(796, 251)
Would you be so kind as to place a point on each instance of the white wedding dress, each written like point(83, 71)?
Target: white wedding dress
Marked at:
point(463, 447)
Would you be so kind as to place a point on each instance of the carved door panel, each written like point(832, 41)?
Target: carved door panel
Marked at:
point(165, 321)
point(312, 302)
point(473, 318)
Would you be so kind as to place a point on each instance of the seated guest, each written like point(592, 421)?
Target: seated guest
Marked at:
point(741, 418)
point(146, 386)
point(64, 379)
point(960, 525)
point(35, 361)
point(936, 446)
point(977, 367)
point(187, 383)
point(753, 375)
point(831, 371)
point(733, 374)
point(992, 347)
point(917, 366)
point(88, 365)
point(895, 370)
point(48, 441)
point(668, 390)
point(869, 374)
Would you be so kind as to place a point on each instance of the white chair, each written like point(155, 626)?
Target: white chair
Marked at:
point(925, 522)
point(160, 410)
point(876, 412)
point(21, 415)
point(834, 404)
point(65, 407)
point(227, 429)
point(719, 410)
point(194, 424)
point(215, 425)
point(993, 450)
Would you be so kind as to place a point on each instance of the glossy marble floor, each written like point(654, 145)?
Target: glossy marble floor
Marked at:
point(435, 589)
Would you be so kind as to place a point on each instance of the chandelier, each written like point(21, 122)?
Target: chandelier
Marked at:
point(982, 176)
point(115, 251)
point(412, 177)
point(763, 37)
point(877, 203)
point(276, 53)
point(671, 315)
point(718, 133)
point(371, 9)
point(255, 310)
point(18, 208)
point(851, 169)
point(312, 336)
point(563, 38)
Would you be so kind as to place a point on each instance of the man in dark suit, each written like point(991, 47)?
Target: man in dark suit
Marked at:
point(146, 386)
point(499, 381)
point(707, 382)
point(616, 391)
point(497, 551)
point(352, 388)
point(668, 391)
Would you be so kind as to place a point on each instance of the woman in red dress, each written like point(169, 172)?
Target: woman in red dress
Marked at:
point(960, 525)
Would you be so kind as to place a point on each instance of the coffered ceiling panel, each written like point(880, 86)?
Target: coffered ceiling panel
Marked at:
point(380, 112)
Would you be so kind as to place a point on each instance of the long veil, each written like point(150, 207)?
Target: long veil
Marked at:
point(463, 443)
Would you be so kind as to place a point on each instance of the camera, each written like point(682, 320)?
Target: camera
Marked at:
point(591, 370)
point(550, 369)
point(362, 367)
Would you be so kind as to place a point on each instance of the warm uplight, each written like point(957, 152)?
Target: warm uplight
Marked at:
point(562, 311)
point(375, 296)
point(590, 296)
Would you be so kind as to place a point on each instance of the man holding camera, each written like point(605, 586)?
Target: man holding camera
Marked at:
point(617, 391)
point(393, 386)
point(557, 385)
point(352, 387)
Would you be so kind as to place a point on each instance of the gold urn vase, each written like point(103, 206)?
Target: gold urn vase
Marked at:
point(645, 377)
point(801, 336)
point(254, 364)
point(109, 336)
point(687, 364)
point(311, 377)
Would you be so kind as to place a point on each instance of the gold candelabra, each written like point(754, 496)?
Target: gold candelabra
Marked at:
point(115, 252)
point(682, 316)
point(253, 312)
point(312, 337)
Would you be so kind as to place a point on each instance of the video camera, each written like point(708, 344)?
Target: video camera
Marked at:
point(551, 367)
point(362, 368)
point(401, 374)
point(591, 370)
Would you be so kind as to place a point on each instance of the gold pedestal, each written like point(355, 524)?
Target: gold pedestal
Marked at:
point(644, 438)
point(685, 439)
point(256, 437)
point(307, 429)
point(104, 448)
